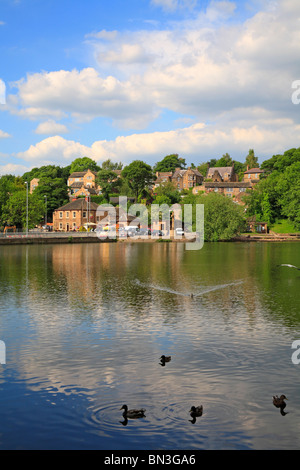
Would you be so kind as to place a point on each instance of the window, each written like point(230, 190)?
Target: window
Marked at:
point(60, 215)
point(242, 190)
point(74, 215)
point(84, 214)
point(67, 214)
point(60, 226)
point(229, 190)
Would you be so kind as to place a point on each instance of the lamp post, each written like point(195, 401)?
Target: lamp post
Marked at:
point(46, 211)
point(26, 182)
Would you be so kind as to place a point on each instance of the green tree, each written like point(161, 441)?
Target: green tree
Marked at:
point(109, 165)
point(168, 191)
point(225, 160)
point(251, 160)
point(108, 181)
point(281, 162)
point(9, 185)
point(15, 210)
point(222, 218)
point(139, 176)
point(170, 163)
point(289, 193)
point(53, 192)
point(82, 164)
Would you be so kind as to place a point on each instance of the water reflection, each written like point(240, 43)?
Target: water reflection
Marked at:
point(84, 326)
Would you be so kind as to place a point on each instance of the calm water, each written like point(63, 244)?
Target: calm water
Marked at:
point(85, 325)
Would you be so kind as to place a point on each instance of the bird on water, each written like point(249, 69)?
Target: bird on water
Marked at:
point(134, 413)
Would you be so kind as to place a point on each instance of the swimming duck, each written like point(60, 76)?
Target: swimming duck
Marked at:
point(165, 358)
point(196, 411)
point(133, 414)
point(279, 401)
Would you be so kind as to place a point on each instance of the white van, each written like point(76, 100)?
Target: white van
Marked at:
point(179, 232)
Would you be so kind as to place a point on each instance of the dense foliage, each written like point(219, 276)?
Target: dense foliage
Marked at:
point(276, 196)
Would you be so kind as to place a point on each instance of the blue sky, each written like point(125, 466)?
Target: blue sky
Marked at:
point(145, 78)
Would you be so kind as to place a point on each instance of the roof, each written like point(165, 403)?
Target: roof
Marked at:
point(76, 174)
point(227, 184)
point(78, 204)
point(221, 169)
point(180, 172)
point(254, 170)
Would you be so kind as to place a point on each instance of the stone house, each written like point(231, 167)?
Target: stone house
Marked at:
point(83, 183)
point(252, 175)
point(162, 177)
point(34, 184)
point(186, 179)
point(235, 190)
point(74, 215)
point(222, 174)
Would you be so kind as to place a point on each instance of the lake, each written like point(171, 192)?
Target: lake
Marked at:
point(84, 327)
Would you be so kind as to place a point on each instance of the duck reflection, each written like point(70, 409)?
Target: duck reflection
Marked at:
point(279, 402)
point(164, 359)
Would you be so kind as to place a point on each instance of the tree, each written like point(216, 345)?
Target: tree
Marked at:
point(9, 185)
point(138, 175)
point(281, 162)
point(56, 192)
point(109, 165)
point(82, 164)
point(107, 180)
point(15, 210)
point(167, 190)
point(289, 193)
point(170, 163)
point(225, 160)
point(222, 218)
point(251, 160)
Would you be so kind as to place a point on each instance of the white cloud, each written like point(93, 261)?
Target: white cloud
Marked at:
point(4, 135)
point(198, 142)
point(84, 95)
point(51, 128)
point(13, 169)
point(54, 150)
point(236, 76)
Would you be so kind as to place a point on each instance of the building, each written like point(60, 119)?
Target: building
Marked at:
point(74, 215)
point(162, 177)
point(224, 180)
point(83, 183)
point(222, 174)
point(235, 190)
point(34, 184)
point(186, 179)
point(252, 175)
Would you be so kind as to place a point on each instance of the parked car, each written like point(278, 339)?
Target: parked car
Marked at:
point(179, 232)
point(157, 233)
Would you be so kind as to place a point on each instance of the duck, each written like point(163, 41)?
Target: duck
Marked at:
point(165, 358)
point(279, 401)
point(134, 413)
point(196, 411)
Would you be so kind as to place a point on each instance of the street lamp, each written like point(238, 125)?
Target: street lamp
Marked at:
point(46, 211)
point(26, 182)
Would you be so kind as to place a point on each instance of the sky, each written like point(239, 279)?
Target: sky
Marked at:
point(142, 79)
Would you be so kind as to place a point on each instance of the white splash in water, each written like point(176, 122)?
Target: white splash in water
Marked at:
point(171, 291)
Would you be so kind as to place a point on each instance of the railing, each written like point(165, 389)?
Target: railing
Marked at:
point(47, 234)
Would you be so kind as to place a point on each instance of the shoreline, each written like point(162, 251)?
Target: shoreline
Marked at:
point(38, 240)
